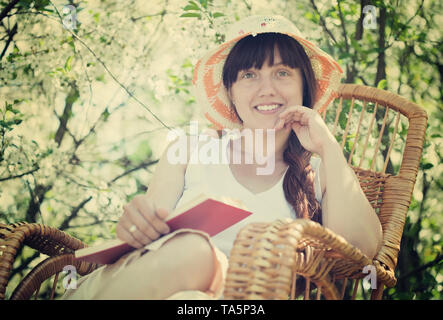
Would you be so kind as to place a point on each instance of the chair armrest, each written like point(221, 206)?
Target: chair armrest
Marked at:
point(50, 241)
point(266, 257)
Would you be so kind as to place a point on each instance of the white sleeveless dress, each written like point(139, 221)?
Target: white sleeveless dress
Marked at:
point(217, 179)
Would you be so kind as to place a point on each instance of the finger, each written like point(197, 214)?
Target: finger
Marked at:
point(289, 119)
point(155, 219)
point(126, 236)
point(279, 124)
point(158, 221)
point(296, 126)
point(295, 116)
point(162, 213)
point(291, 109)
point(292, 116)
point(288, 125)
point(145, 232)
point(137, 235)
point(297, 113)
point(300, 116)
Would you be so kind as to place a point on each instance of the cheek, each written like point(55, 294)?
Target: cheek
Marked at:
point(240, 96)
point(238, 101)
point(293, 93)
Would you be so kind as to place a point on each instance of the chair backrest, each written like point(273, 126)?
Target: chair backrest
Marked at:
point(382, 136)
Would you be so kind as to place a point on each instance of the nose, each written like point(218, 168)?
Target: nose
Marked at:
point(267, 87)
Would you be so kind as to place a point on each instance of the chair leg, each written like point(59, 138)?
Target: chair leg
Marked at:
point(377, 294)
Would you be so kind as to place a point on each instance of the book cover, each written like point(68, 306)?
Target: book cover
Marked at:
point(209, 214)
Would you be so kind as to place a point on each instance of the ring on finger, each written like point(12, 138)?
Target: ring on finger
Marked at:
point(132, 228)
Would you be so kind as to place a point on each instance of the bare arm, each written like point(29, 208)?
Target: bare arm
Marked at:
point(149, 211)
point(346, 210)
point(166, 186)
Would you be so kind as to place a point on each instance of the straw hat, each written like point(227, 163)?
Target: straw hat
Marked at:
point(208, 81)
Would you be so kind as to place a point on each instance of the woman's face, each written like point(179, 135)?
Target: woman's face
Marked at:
point(260, 95)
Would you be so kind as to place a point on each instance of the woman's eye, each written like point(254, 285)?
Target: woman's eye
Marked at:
point(248, 75)
point(283, 73)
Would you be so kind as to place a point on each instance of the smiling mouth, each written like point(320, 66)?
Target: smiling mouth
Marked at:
point(268, 108)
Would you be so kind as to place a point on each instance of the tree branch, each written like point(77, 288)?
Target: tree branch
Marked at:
point(397, 33)
point(20, 175)
point(11, 35)
point(381, 65)
point(350, 70)
point(343, 25)
point(422, 268)
point(109, 71)
point(74, 213)
point(162, 13)
point(37, 197)
point(7, 9)
point(69, 101)
point(359, 26)
point(248, 6)
point(24, 264)
point(323, 22)
point(141, 166)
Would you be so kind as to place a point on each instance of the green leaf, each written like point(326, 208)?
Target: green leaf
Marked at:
point(40, 4)
point(68, 63)
point(426, 166)
point(191, 15)
point(345, 55)
point(383, 84)
point(204, 3)
point(187, 64)
point(191, 6)
point(96, 17)
point(100, 78)
point(218, 14)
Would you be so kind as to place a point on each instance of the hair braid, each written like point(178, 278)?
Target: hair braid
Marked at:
point(298, 184)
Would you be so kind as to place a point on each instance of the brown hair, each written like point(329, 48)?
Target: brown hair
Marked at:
point(253, 51)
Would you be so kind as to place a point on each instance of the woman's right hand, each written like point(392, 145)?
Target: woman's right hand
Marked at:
point(149, 222)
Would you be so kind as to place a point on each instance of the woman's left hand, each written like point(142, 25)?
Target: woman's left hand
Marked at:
point(309, 127)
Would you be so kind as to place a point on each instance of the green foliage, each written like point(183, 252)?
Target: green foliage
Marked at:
point(69, 129)
point(203, 10)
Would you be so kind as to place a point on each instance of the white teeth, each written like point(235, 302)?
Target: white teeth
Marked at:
point(267, 108)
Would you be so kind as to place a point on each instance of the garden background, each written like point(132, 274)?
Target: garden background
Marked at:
point(90, 89)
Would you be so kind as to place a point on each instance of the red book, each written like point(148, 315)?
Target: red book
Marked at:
point(209, 214)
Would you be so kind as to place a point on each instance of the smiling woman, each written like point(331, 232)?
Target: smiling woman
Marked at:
point(266, 77)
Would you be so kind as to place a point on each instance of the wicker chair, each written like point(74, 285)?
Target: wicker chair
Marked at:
point(272, 260)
